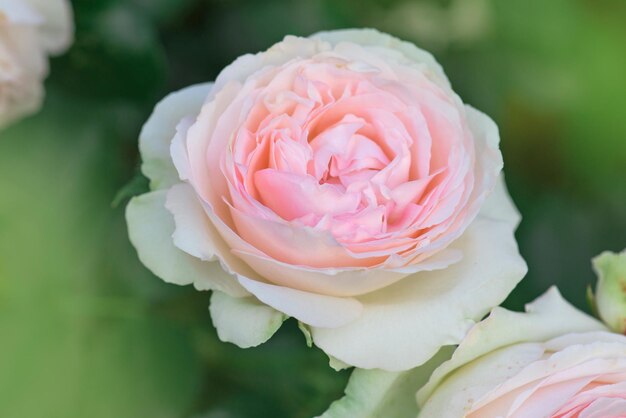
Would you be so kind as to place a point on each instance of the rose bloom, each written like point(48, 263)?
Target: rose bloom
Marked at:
point(338, 180)
point(552, 362)
point(30, 30)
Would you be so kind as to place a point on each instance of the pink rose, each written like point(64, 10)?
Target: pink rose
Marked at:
point(338, 180)
point(552, 362)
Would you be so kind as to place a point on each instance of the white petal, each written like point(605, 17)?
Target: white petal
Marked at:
point(545, 318)
point(291, 47)
point(150, 228)
point(405, 324)
point(196, 235)
point(243, 321)
point(311, 308)
point(372, 37)
point(458, 395)
point(194, 230)
point(500, 206)
point(572, 368)
point(382, 394)
point(156, 135)
point(57, 28)
point(17, 11)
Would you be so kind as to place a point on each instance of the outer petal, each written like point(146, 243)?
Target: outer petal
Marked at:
point(312, 309)
point(291, 47)
point(382, 394)
point(150, 228)
point(196, 235)
point(156, 135)
point(57, 29)
point(546, 318)
point(500, 206)
point(405, 324)
point(243, 321)
point(16, 11)
point(194, 231)
point(454, 400)
point(372, 37)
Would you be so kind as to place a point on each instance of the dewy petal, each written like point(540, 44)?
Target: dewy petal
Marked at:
point(310, 308)
point(383, 394)
point(440, 305)
point(57, 28)
point(245, 321)
point(156, 135)
point(150, 228)
point(545, 318)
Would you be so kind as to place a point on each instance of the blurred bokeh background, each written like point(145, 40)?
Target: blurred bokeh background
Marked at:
point(85, 330)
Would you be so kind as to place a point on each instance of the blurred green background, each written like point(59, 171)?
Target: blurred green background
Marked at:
point(85, 330)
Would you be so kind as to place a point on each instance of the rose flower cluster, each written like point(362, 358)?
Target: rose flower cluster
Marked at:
point(340, 181)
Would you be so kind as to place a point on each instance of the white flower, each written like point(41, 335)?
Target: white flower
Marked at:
point(337, 180)
point(30, 31)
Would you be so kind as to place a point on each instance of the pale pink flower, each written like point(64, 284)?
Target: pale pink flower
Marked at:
point(551, 362)
point(338, 180)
